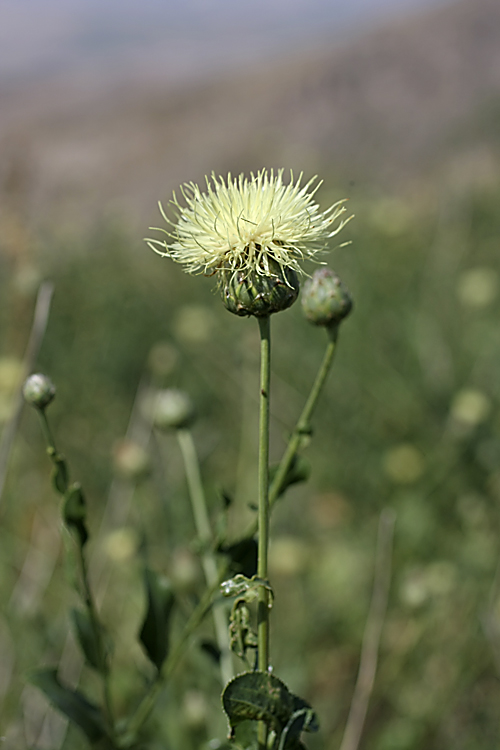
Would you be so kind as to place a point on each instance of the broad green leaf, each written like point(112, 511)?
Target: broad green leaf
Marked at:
point(74, 512)
point(260, 697)
point(71, 703)
point(87, 638)
point(299, 471)
point(154, 633)
point(245, 736)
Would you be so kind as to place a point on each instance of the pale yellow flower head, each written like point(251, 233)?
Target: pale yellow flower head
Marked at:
point(248, 225)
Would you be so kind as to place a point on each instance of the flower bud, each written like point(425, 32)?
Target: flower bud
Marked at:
point(39, 390)
point(325, 299)
point(258, 294)
point(173, 410)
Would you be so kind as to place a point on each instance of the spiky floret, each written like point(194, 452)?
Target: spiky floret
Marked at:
point(244, 224)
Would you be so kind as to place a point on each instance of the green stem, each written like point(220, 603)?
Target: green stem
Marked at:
point(263, 511)
point(87, 593)
point(47, 432)
point(303, 426)
point(205, 536)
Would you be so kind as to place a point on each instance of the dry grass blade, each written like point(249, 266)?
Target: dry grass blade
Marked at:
point(40, 319)
point(373, 631)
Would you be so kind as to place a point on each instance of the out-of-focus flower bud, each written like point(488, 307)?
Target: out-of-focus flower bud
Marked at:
point(194, 324)
point(121, 544)
point(38, 390)
point(478, 287)
point(288, 556)
point(404, 463)
point(325, 298)
point(130, 460)
point(470, 407)
point(172, 410)
point(253, 293)
point(195, 710)
point(184, 570)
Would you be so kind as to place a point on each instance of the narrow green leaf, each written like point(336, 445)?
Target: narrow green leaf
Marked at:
point(60, 474)
point(75, 512)
point(309, 719)
point(303, 719)
point(71, 703)
point(154, 633)
point(299, 471)
point(86, 638)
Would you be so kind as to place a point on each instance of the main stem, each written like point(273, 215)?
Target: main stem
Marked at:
point(263, 513)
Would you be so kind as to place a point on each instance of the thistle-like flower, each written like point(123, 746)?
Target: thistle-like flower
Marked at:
point(252, 232)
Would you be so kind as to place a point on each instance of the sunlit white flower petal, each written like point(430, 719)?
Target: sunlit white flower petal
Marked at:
point(246, 224)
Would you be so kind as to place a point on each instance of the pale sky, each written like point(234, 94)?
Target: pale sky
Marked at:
point(47, 35)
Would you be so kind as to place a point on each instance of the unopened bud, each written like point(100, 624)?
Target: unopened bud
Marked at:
point(173, 410)
point(258, 294)
point(325, 298)
point(39, 390)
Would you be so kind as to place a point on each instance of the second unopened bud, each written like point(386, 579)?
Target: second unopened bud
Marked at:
point(325, 298)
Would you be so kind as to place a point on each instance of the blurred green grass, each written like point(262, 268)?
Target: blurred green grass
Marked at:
point(409, 420)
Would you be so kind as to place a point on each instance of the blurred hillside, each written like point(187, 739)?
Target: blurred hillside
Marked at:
point(413, 100)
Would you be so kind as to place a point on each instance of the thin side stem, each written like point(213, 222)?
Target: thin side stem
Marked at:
point(205, 536)
point(373, 631)
point(87, 596)
point(47, 432)
point(263, 512)
point(302, 426)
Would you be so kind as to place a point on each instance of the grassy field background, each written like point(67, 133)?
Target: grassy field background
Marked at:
point(409, 421)
point(403, 122)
